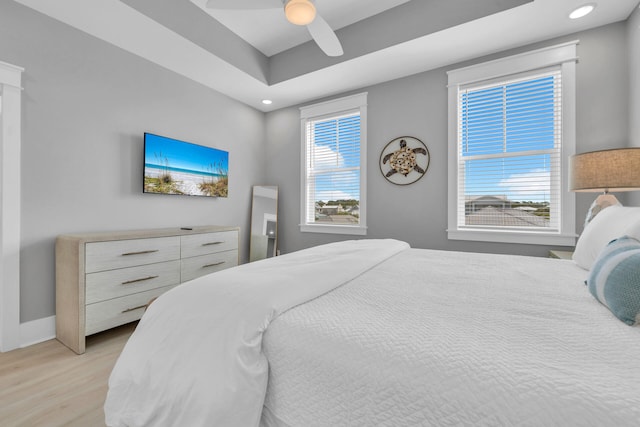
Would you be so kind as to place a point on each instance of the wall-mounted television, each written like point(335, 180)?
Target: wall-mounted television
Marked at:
point(172, 166)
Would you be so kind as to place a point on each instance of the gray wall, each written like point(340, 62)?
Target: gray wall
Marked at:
point(86, 105)
point(417, 106)
point(633, 36)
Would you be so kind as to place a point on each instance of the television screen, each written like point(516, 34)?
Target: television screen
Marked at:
point(177, 167)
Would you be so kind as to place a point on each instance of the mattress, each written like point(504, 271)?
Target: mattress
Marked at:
point(371, 332)
point(433, 338)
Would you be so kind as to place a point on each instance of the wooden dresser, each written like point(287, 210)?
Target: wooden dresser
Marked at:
point(106, 279)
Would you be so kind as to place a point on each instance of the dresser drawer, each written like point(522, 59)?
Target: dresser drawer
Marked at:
point(118, 311)
point(208, 243)
point(106, 279)
point(100, 256)
point(205, 264)
point(110, 284)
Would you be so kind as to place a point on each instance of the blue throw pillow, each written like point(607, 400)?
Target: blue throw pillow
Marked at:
point(615, 279)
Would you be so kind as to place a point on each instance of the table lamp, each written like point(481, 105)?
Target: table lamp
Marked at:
point(604, 171)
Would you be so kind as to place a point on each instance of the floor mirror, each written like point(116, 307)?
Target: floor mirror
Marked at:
point(264, 222)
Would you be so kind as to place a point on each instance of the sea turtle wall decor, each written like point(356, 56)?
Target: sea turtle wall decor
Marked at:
point(404, 160)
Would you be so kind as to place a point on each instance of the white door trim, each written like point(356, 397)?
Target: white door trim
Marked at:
point(10, 142)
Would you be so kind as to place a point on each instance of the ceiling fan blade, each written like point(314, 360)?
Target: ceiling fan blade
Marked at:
point(244, 4)
point(325, 37)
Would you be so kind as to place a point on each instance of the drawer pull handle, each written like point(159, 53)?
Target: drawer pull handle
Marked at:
point(212, 243)
point(134, 308)
point(214, 264)
point(128, 282)
point(140, 252)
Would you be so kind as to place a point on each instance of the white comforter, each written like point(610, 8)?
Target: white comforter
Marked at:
point(433, 338)
point(196, 359)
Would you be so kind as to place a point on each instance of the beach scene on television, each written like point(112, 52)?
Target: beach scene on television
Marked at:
point(177, 167)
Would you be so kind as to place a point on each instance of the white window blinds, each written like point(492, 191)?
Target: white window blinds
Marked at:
point(333, 170)
point(509, 153)
point(333, 178)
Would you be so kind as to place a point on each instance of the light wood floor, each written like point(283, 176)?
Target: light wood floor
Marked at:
point(48, 385)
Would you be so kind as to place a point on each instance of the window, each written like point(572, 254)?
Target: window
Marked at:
point(334, 167)
point(511, 130)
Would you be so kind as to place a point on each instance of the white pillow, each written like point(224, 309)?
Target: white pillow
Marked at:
point(609, 224)
point(633, 230)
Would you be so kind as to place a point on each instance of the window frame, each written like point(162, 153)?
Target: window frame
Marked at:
point(327, 110)
point(563, 56)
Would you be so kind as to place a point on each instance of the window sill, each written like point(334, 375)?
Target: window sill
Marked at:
point(523, 237)
point(334, 229)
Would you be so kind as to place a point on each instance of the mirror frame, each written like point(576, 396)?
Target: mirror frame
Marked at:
point(261, 244)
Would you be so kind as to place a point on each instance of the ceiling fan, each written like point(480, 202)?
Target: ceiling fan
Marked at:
point(298, 12)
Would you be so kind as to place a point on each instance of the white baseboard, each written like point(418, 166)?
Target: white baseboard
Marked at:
point(37, 331)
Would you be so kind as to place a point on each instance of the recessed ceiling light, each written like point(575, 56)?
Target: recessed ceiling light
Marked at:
point(267, 101)
point(583, 10)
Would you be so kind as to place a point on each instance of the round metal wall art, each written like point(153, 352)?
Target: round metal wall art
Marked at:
point(404, 160)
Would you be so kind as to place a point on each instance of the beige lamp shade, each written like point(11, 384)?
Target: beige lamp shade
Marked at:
point(607, 170)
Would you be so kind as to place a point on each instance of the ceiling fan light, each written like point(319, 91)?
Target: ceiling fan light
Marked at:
point(300, 12)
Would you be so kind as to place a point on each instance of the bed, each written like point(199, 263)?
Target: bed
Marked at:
point(373, 332)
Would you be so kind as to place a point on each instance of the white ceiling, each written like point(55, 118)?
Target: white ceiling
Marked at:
point(270, 32)
point(120, 24)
